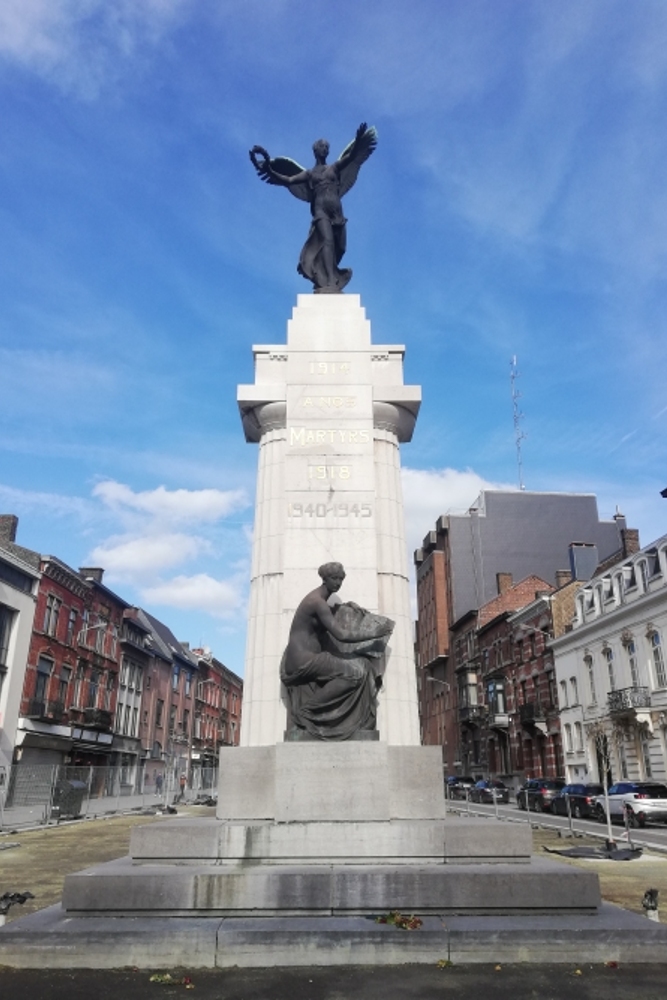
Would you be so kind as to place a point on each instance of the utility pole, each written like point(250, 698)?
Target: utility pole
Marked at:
point(517, 417)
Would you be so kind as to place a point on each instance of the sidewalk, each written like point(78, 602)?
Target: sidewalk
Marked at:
point(406, 982)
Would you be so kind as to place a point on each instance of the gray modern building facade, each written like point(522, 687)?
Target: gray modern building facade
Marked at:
point(520, 533)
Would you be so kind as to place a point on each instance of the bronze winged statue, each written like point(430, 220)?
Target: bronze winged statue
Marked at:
point(322, 187)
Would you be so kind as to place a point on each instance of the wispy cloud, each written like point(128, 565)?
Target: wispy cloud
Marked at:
point(128, 558)
point(219, 598)
point(428, 493)
point(80, 44)
point(172, 505)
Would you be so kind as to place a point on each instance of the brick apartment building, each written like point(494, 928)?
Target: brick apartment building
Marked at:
point(98, 682)
point(479, 705)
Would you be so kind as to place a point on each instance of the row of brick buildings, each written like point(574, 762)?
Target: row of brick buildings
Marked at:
point(495, 586)
point(86, 678)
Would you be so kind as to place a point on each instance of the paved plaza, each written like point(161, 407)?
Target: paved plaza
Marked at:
point(408, 982)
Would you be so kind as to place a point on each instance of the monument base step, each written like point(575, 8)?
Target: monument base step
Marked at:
point(123, 888)
point(52, 940)
point(411, 842)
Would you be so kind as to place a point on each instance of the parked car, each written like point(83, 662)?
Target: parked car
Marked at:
point(458, 786)
point(643, 801)
point(539, 793)
point(582, 800)
point(487, 791)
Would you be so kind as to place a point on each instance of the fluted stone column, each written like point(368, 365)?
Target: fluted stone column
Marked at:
point(328, 410)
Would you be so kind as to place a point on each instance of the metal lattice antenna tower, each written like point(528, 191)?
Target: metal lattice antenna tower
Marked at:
point(517, 417)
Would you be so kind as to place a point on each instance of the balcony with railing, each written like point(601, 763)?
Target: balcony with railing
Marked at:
point(97, 718)
point(627, 700)
point(498, 720)
point(532, 713)
point(471, 715)
point(51, 711)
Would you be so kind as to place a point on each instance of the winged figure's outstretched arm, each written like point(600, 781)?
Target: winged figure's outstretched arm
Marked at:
point(282, 171)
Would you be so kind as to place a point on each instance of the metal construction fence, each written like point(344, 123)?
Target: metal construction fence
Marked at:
point(46, 793)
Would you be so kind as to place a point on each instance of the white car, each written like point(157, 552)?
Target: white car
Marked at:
point(643, 801)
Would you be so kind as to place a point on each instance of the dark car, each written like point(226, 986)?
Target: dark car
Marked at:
point(538, 793)
point(582, 800)
point(488, 791)
point(458, 787)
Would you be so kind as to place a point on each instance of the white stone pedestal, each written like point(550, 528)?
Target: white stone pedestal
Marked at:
point(328, 410)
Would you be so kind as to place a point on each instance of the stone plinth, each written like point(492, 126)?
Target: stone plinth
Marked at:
point(328, 410)
point(311, 782)
point(121, 888)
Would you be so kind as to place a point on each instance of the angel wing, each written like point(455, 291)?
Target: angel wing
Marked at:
point(365, 145)
point(288, 168)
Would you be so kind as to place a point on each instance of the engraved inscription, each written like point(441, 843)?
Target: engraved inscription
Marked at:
point(329, 509)
point(330, 367)
point(329, 402)
point(302, 436)
point(329, 472)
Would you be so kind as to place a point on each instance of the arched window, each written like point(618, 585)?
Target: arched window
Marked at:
point(608, 654)
point(631, 653)
point(658, 659)
point(590, 672)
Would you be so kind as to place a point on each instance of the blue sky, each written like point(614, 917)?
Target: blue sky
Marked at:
point(516, 205)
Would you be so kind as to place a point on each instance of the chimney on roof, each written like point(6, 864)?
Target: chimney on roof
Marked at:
point(9, 524)
point(630, 541)
point(503, 582)
point(563, 576)
point(94, 573)
point(185, 645)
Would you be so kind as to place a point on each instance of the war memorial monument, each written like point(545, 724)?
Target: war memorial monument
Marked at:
point(330, 813)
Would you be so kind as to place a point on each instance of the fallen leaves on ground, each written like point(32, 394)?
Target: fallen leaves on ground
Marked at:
point(406, 923)
point(166, 979)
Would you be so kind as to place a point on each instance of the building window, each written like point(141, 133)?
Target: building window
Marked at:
point(563, 694)
point(574, 690)
point(6, 622)
point(188, 682)
point(174, 679)
point(568, 737)
point(172, 720)
point(44, 668)
point(100, 634)
point(553, 689)
point(186, 722)
point(53, 605)
point(588, 660)
point(658, 660)
point(631, 651)
point(71, 625)
point(78, 683)
point(114, 641)
point(158, 712)
point(609, 657)
point(108, 694)
point(646, 755)
point(93, 688)
point(578, 736)
point(623, 761)
point(63, 683)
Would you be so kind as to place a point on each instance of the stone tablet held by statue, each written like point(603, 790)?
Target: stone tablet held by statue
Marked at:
point(322, 187)
point(332, 666)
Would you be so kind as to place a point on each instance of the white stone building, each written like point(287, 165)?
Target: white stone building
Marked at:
point(18, 588)
point(611, 670)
